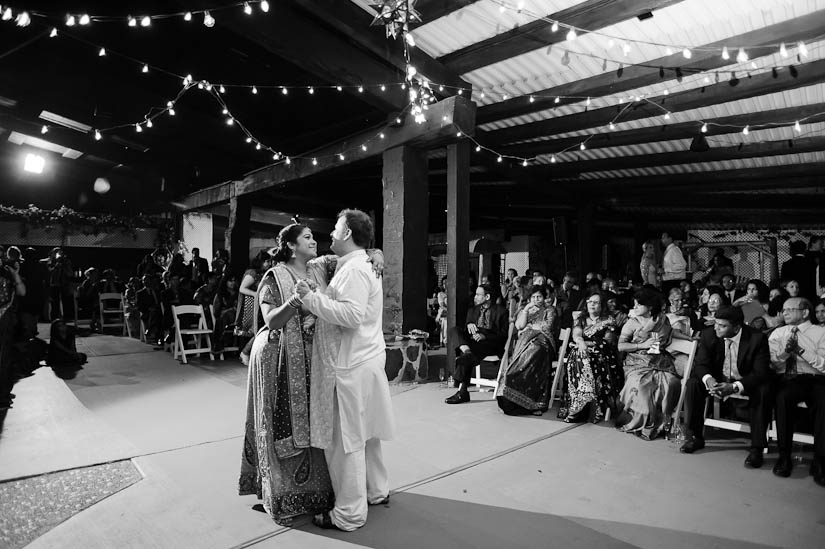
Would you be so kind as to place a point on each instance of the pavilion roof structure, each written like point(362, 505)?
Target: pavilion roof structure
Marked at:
point(608, 117)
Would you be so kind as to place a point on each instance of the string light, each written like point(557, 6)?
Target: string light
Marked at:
point(254, 90)
point(314, 161)
point(84, 19)
point(222, 89)
point(741, 57)
point(247, 9)
point(746, 130)
point(7, 14)
point(102, 52)
point(138, 129)
point(149, 123)
point(44, 129)
point(725, 53)
point(553, 159)
point(797, 128)
point(341, 156)
point(783, 51)
point(208, 20)
point(687, 53)
point(131, 21)
point(803, 49)
point(98, 136)
point(555, 26)
point(612, 126)
point(264, 6)
point(705, 128)
point(571, 35)
point(145, 21)
point(582, 146)
point(53, 33)
point(187, 16)
point(500, 159)
point(23, 19)
point(70, 21)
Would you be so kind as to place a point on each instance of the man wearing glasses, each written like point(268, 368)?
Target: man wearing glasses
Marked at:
point(798, 356)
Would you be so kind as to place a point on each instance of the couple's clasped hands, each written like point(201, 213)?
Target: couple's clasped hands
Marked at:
point(304, 287)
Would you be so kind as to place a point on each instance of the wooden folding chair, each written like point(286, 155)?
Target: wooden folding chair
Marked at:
point(557, 389)
point(116, 314)
point(492, 361)
point(198, 335)
point(688, 348)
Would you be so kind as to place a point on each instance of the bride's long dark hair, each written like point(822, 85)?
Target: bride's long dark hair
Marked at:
point(288, 235)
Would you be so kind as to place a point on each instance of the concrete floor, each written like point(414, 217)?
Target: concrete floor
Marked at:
point(464, 476)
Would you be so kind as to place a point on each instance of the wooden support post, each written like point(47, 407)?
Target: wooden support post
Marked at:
point(585, 228)
point(236, 237)
point(405, 226)
point(458, 238)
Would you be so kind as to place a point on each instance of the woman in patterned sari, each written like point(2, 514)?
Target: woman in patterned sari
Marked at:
point(278, 463)
point(524, 385)
point(594, 377)
point(651, 389)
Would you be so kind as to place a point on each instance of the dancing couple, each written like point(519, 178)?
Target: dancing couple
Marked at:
point(318, 401)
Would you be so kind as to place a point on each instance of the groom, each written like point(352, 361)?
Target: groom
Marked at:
point(350, 397)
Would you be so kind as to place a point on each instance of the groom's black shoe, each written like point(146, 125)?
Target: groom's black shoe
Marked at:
point(754, 459)
point(783, 466)
point(695, 443)
point(458, 398)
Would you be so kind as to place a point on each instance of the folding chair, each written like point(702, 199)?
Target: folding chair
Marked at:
point(492, 361)
point(802, 438)
point(77, 321)
point(688, 348)
point(229, 349)
point(116, 313)
point(557, 389)
point(198, 335)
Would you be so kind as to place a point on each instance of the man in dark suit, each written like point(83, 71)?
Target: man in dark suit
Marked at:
point(198, 268)
point(800, 268)
point(149, 302)
point(568, 299)
point(484, 333)
point(731, 359)
point(729, 287)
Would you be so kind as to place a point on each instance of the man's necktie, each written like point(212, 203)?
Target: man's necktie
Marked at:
point(790, 363)
point(728, 371)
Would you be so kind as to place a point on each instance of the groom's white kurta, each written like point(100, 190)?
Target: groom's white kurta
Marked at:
point(351, 309)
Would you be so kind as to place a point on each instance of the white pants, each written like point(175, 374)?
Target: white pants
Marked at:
point(357, 477)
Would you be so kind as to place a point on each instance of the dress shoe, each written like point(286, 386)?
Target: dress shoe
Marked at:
point(783, 466)
point(458, 398)
point(754, 459)
point(818, 470)
point(384, 501)
point(690, 446)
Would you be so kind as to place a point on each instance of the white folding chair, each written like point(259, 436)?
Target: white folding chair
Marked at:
point(87, 322)
point(198, 335)
point(231, 348)
point(687, 347)
point(112, 316)
point(557, 389)
point(492, 361)
point(802, 438)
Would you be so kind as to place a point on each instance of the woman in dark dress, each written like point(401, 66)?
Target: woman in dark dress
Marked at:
point(594, 377)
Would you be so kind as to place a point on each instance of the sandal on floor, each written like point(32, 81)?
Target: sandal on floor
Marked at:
point(324, 521)
point(384, 501)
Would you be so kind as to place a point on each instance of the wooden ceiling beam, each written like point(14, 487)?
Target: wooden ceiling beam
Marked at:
point(636, 76)
point(591, 15)
point(715, 154)
point(431, 10)
point(668, 132)
point(353, 22)
point(712, 94)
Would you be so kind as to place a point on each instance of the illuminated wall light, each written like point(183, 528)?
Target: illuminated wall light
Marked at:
point(23, 19)
point(187, 16)
point(247, 9)
point(70, 21)
point(131, 21)
point(145, 21)
point(84, 19)
point(264, 6)
point(742, 56)
point(704, 128)
point(208, 20)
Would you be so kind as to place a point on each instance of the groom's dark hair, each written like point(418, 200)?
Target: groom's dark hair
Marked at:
point(361, 226)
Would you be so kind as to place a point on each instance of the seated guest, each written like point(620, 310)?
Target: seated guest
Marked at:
point(730, 292)
point(110, 283)
point(773, 316)
point(151, 312)
point(798, 356)
point(130, 308)
point(819, 312)
point(792, 288)
point(484, 333)
point(87, 298)
point(567, 299)
point(173, 295)
point(225, 306)
point(715, 299)
point(62, 354)
point(615, 309)
point(197, 269)
point(689, 297)
point(731, 359)
point(755, 291)
point(610, 285)
point(205, 296)
point(524, 387)
point(651, 388)
point(594, 377)
point(682, 319)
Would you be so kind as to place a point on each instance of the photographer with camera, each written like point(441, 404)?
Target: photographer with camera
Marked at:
point(11, 286)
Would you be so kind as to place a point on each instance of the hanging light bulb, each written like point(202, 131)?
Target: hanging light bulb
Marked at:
point(287, 161)
point(200, 85)
point(612, 126)
point(187, 16)
point(339, 88)
point(208, 20)
point(687, 53)
point(499, 159)
point(257, 146)
point(705, 128)
point(138, 129)
point(222, 89)
point(248, 139)
point(381, 135)
point(666, 92)
point(502, 8)
point(264, 6)
point(225, 111)
point(557, 99)
point(532, 99)
point(284, 91)
point(311, 90)
point(797, 128)
point(45, 129)
point(725, 53)
point(783, 51)
point(247, 9)
point(149, 123)
point(582, 146)
point(742, 57)
point(102, 52)
point(625, 49)
point(131, 21)
point(23, 19)
point(254, 90)
point(410, 39)
point(668, 51)
point(53, 33)
point(171, 112)
point(145, 21)
point(360, 89)
point(803, 49)
point(555, 26)
point(7, 14)
point(145, 69)
point(70, 21)
point(587, 102)
point(276, 156)
point(98, 137)
point(84, 19)
point(364, 148)
point(746, 130)
point(571, 34)
point(383, 88)
point(314, 161)
point(478, 148)
point(553, 159)
point(230, 121)
point(341, 156)
point(667, 116)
